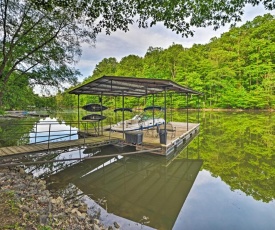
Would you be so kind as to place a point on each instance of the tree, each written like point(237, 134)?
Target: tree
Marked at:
point(153, 63)
point(38, 44)
point(178, 15)
point(18, 93)
point(107, 66)
point(131, 65)
point(40, 39)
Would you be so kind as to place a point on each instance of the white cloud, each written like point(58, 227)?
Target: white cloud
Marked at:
point(137, 41)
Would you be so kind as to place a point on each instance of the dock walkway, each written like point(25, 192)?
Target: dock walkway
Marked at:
point(34, 148)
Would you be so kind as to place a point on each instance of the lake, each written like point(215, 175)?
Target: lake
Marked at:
point(223, 179)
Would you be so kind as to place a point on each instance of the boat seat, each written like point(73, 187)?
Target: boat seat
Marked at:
point(134, 121)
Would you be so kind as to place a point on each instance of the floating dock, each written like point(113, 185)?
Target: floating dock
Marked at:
point(178, 133)
point(149, 139)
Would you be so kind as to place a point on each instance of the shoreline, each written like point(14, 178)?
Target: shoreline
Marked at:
point(25, 203)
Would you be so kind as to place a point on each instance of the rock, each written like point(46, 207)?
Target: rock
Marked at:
point(76, 205)
point(24, 208)
point(116, 225)
point(59, 200)
point(53, 201)
point(43, 219)
point(20, 186)
point(43, 200)
point(96, 221)
point(41, 185)
point(33, 211)
point(83, 208)
point(75, 211)
point(50, 207)
point(82, 216)
point(22, 171)
point(33, 184)
point(96, 227)
point(38, 208)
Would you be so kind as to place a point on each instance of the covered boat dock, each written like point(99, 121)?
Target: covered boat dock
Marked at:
point(170, 136)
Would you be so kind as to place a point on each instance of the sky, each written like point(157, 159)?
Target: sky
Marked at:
point(137, 41)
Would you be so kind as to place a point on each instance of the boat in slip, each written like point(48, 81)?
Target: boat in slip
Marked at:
point(139, 121)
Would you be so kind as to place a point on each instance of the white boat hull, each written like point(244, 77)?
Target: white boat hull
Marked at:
point(132, 125)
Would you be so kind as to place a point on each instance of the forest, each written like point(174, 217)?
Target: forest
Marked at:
point(235, 71)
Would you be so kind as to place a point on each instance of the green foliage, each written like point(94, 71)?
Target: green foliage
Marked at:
point(38, 46)
point(41, 39)
point(18, 93)
point(177, 15)
point(234, 71)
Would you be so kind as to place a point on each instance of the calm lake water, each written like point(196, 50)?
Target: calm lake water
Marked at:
point(223, 179)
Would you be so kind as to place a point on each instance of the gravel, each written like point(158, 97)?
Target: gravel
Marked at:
point(25, 203)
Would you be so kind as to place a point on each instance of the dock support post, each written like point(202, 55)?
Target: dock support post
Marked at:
point(165, 113)
point(101, 113)
point(70, 130)
point(171, 104)
point(78, 112)
point(165, 108)
point(123, 124)
point(187, 112)
point(153, 110)
point(49, 137)
point(198, 108)
point(86, 132)
point(115, 108)
point(35, 132)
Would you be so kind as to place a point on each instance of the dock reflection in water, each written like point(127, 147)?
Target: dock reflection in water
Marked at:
point(134, 186)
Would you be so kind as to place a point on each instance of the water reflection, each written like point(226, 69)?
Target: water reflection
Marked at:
point(16, 131)
point(135, 187)
point(34, 130)
point(240, 149)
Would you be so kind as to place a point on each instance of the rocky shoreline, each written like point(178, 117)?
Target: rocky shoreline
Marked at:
point(25, 203)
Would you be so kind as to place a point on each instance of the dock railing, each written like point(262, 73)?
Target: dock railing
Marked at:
point(43, 132)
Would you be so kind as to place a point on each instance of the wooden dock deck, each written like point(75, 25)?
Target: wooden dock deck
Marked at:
point(181, 134)
point(34, 148)
point(150, 140)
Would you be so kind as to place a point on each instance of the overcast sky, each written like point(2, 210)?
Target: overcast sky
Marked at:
point(137, 41)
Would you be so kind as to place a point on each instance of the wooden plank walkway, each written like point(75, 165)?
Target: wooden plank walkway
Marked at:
point(34, 148)
point(151, 140)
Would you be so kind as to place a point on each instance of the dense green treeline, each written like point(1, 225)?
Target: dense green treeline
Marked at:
point(233, 71)
point(19, 95)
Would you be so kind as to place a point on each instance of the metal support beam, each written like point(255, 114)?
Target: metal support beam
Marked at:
point(198, 108)
point(165, 113)
point(171, 105)
point(153, 110)
point(115, 108)
point(123, 125)
point(187, 112)
point(78, 116)
point(101, 113)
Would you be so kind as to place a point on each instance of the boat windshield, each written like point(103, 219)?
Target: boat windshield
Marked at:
point(136, 117)
point(145, 117)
